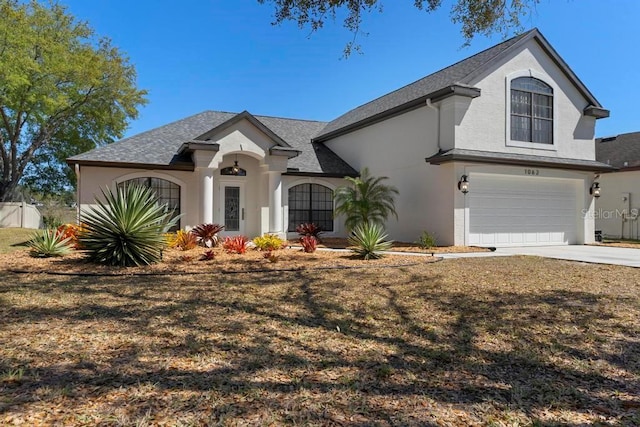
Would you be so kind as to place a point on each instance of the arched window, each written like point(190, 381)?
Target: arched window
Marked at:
point(531, 110)
point(311, 203)
point(167, 192)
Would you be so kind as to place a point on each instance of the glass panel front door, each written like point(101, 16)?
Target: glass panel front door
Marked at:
point(232, 208)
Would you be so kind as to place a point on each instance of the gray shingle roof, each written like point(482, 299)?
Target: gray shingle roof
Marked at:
point(160, 146)
point(621, 151)
point(451, 75)
point(460, 74)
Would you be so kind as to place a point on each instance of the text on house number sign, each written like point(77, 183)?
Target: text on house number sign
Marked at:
point(532, 171)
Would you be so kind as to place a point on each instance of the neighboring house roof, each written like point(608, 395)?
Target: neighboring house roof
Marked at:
point(621, 151)
point(160, 148)
point(458, 154)
point(455, 79)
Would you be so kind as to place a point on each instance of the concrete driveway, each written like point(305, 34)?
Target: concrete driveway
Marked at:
point(594, 254)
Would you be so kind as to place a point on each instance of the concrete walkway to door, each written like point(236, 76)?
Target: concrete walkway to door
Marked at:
point(594, 254)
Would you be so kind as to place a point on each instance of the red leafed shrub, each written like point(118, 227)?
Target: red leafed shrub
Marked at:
point(235, 244)
point(309, 229)
point(70, 231)
point(208, 255)
point(309, 243)
point(207, 234)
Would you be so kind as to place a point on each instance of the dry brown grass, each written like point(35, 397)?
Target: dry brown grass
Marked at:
point(492, 341)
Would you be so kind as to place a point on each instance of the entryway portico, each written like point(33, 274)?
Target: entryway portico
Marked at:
point(239, 167)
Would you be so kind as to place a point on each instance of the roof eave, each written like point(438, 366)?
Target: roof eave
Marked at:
point(597, 112)
point(439, 95)
point(290, 153)
point(191, 146)
point(130, 165)
point(454, 157)
point(294, 172)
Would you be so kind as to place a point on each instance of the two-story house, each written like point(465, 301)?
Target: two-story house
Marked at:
point(495, 150)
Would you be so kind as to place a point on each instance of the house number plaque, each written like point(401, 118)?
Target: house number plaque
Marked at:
point(532, 171)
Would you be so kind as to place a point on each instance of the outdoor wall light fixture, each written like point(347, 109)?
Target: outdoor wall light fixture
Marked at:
point(463, 184)
point(594, 190)
point(235, 168)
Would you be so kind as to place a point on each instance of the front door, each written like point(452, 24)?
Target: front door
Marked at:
point(232, 208)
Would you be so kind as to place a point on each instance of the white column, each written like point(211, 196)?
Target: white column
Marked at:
point(275, 203)
point(207, 195)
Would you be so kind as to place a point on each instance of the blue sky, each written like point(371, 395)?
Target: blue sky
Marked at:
point(201, 55)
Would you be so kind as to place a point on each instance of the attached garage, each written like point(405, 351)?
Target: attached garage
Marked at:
point(508, 210)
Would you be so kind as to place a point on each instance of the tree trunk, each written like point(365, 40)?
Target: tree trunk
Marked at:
point(6, 190)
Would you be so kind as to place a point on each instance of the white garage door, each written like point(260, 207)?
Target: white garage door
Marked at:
point(517, 211)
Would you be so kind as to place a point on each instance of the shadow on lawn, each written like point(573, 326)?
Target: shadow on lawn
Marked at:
point(301, 348)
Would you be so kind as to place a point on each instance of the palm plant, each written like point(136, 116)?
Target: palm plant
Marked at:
point(369, 240)
point(366, 200)
point(127, 229)
point(50, 243)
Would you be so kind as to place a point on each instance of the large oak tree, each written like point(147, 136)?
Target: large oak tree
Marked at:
point(475, 16)
point(62, 90)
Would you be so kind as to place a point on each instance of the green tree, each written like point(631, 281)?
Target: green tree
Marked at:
point(62, 91)
point(475, 16)
point(366, 200)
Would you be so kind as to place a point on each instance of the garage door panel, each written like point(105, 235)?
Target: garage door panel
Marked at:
point(509, 211)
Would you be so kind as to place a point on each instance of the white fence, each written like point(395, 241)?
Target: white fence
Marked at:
point(17, 214)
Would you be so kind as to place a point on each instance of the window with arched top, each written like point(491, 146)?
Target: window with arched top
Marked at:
point(531, 110)
point(311, 203)
point(167, 192)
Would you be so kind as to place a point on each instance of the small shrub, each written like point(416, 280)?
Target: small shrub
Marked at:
point(269, 242)
point(186, 258)
point(369, 239)
point(271, 256)
point(207, 234)
point(183, 240)
point(309, 244)
point(235, 244)
point(70, 231)
point(51, 221)
point(49, 243)
point(309, 229)
point(426, 240)
point(208, 255)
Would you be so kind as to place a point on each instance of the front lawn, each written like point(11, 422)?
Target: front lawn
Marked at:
point(492, 341)
point(13, 239)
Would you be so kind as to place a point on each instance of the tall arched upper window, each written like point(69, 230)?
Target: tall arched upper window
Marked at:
point(167, 192)
point(311, 203)
point(531, 110)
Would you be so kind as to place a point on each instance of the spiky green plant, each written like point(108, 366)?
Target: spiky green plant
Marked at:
point(127, 229)
point(369, 240)
point(366, 200)
point(50, 243)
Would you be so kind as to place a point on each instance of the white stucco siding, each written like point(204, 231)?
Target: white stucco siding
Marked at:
point(484, 125)
point(397, 148)
point(619, 201)
point(93, 179)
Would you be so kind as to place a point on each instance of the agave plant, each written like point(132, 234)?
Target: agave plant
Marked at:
point(207, 234)
point(50, 243)
point(127, 229)
point(369, 240)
